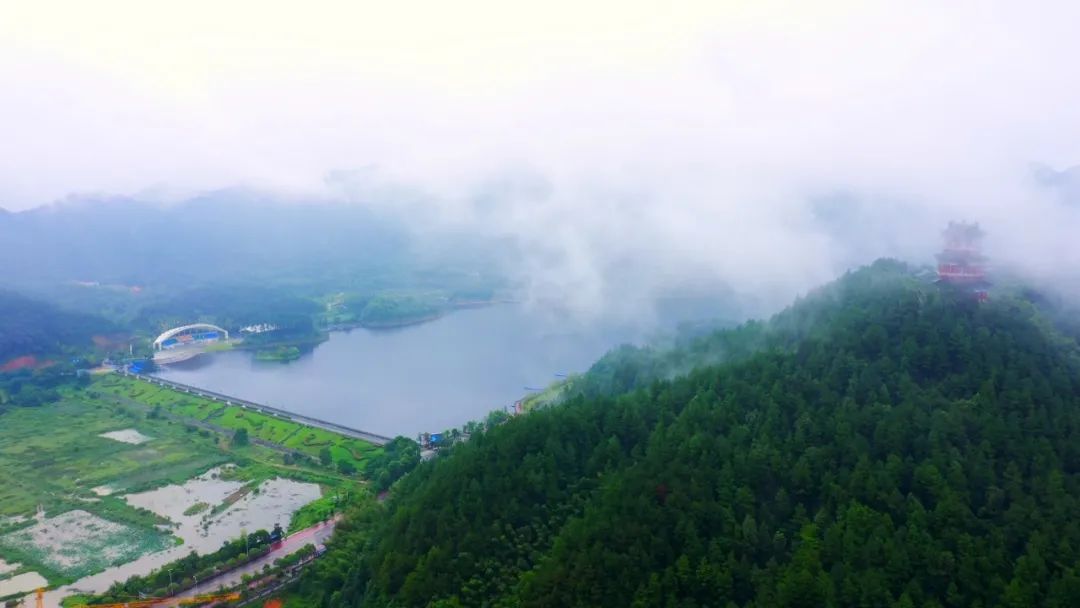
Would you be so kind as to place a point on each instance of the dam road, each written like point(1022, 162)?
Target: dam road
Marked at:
point(374, 438)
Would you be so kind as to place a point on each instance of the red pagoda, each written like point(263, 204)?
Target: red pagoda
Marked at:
point(962, 263)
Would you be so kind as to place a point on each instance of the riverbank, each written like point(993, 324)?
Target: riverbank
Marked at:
point(281, 354)
point(394, 324)
point(302, 344)
point(408, 321)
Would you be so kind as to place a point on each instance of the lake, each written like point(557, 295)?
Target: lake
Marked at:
point(427, 377)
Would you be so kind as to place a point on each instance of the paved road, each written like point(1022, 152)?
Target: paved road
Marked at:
point(315, 535)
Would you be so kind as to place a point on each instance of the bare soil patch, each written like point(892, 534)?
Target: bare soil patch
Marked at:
point(127, 436)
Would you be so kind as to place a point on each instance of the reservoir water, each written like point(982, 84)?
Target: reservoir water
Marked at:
point(427, 377)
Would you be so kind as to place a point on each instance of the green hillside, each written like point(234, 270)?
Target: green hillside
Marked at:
point(880, 443)
point(31, 327)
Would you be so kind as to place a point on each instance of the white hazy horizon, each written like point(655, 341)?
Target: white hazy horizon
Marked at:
point(768, 143)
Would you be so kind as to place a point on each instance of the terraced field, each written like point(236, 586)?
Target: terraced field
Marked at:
point(270, 428)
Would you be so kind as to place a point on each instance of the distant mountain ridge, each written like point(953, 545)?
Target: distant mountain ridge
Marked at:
point(1065, 183)
point(133, 260)
point(212, 237)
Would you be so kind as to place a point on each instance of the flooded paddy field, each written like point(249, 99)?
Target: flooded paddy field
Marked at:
point(76, 543)
point(14, 581)
point(231, 509)
point(94, 490)
point(7, 568)
point(21, 583)
point(175, 500)
point(270, 502)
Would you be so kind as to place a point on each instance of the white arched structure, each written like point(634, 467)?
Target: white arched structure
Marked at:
point(162, 341)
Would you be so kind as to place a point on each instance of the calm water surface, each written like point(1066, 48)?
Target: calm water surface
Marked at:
point(427, 377)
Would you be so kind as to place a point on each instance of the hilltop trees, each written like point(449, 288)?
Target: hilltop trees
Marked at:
point(880, 443)
point(396, 458)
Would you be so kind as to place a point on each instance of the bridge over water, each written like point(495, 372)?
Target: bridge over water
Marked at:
point(266, 409)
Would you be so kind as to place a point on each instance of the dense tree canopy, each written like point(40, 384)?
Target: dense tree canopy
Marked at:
point(30, 327)
point(881, 443)
point(391, 309)
point(232, 308)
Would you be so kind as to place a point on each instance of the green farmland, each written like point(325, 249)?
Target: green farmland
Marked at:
point(53, 458)
point(56, 461)
point(53, 455)
point(310, 441)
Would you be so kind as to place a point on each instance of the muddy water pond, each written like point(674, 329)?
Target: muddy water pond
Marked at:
point(21, 583)
point(273, 502)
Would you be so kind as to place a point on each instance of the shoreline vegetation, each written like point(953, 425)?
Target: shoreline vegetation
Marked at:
point(282, 354)
point(406, 313)
point(389, 324)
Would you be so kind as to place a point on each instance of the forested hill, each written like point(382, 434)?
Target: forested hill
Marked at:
point(881, 443)
point(629, 367)
point(31, 327)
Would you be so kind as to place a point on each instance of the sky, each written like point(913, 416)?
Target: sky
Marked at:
point(768, 144)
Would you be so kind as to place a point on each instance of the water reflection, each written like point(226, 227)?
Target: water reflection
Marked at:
point(421, 378)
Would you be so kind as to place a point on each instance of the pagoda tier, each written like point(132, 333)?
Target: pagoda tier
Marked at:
point(961, 256)
point(961, 262)
point(960, 273)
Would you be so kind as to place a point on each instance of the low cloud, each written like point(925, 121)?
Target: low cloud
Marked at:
point(626, 151)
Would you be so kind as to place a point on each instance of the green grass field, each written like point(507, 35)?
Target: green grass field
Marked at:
point(53, 454)
point(263, 426)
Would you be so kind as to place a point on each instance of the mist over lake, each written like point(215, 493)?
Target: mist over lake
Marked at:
point(426, 377)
